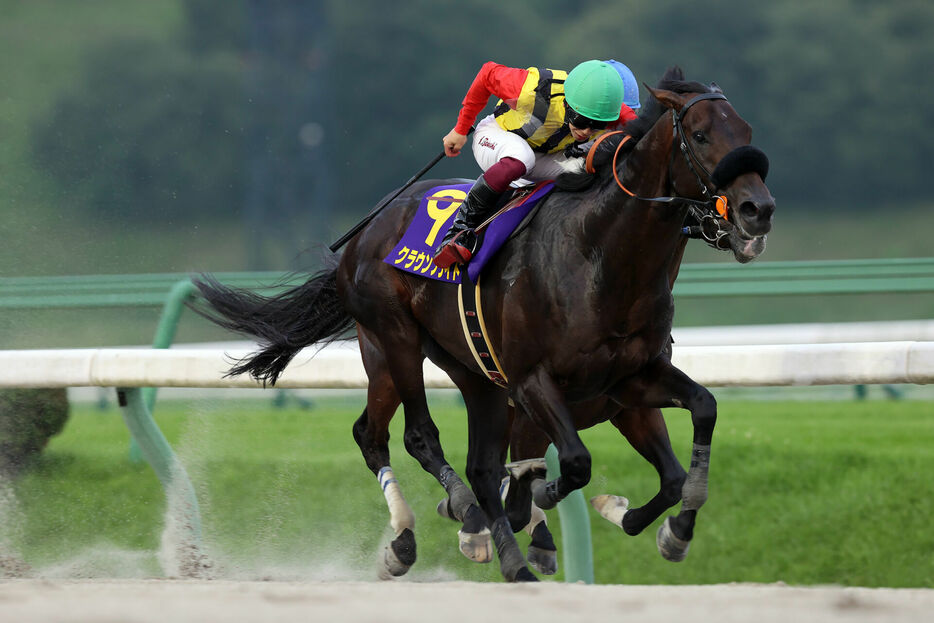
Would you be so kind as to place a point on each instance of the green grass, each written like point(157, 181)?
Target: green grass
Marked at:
point(805, 493)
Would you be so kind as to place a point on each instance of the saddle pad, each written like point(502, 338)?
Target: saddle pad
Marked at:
point(432, 220)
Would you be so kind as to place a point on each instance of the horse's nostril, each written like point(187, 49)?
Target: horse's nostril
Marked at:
point(750, 210)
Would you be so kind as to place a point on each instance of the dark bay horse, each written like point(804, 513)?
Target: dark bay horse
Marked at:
point(644, 428)
point(578, 308)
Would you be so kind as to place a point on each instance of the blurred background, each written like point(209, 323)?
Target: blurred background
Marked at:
point(227, 135)
point(185, 136)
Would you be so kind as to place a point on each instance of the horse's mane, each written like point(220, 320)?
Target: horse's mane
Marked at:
point(672, 80)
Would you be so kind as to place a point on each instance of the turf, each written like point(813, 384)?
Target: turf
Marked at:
point(803, 493)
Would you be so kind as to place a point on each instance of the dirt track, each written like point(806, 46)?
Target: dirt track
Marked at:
point(34, 601)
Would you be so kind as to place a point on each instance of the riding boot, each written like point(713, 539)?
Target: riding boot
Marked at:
point(460, 242)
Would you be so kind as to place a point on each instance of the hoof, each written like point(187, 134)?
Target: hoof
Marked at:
point(524, 575)
point(611, 507)
point(542, 497)
point(518, 469)
point(669, 546)
point(545, 561)
point(478, 547)
point(399, 556)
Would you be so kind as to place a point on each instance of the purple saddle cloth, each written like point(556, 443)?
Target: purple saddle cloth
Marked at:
point(434, 217)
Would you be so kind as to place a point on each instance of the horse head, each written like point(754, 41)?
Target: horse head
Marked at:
point(718, 161)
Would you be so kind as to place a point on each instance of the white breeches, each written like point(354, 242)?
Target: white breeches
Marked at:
point(491, 144)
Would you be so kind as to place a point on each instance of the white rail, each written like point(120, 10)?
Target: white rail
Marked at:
point(339, 366)
point(807, 333)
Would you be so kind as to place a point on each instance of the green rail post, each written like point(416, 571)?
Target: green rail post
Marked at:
point(575, 529)
point(180, 495)
point(136, 406)
point(168, 326)
point(165, 335)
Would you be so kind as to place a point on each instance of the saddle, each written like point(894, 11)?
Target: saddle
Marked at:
point(434, 216)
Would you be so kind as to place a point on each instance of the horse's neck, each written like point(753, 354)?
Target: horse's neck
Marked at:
point(634, 232)
point(675, 266)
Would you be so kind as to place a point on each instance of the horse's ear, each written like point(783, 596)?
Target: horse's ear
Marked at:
point(715, 88)
point(669, 99)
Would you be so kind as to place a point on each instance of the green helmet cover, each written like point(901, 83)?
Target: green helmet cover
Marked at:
point(595, 90)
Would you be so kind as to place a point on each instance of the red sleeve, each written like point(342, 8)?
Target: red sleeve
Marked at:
point(626, 114)
point(493, 79)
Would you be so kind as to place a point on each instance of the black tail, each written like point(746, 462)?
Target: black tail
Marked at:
point(283, 324)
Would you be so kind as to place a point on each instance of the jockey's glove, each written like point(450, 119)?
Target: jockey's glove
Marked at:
point(574, 151)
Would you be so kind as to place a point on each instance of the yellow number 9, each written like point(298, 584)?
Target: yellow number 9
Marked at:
point(454, 198)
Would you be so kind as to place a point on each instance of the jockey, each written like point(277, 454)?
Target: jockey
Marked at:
point(541, 116)
point(630, 85)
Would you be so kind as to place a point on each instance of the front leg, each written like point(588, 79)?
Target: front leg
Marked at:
point(662, 385)
point(540, 397)
point(645, 430)
point(488, 422)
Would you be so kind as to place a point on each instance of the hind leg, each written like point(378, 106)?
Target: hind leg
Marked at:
point(527, 447)
point(371, 432)
point(401, 361)
point(646, 431)
point(523, 514)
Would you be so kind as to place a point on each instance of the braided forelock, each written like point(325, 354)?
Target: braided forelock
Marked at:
point(684, 86)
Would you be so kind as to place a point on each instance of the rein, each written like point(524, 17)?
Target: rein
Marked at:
point(704, 211)
point(717, 202)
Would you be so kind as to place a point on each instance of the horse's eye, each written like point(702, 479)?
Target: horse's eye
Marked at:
point(699, 137)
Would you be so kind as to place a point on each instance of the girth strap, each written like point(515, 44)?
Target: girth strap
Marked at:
point(468, 302)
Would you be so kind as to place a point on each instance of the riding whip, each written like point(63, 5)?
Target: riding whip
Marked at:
point(369, 217)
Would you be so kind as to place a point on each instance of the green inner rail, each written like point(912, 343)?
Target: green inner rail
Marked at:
point(898, 275)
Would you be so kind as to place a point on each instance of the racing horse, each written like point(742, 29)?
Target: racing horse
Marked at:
point(644, 428)
point(578, 306)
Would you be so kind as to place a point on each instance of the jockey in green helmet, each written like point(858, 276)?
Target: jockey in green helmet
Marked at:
point(541, 113)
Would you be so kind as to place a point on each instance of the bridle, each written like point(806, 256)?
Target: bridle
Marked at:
point(707, 217)
point(711, 213)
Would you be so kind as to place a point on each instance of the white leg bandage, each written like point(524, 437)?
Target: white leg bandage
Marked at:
point(401, 515)
point(538, 516)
